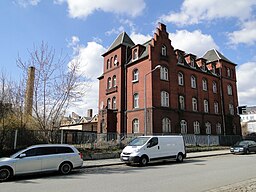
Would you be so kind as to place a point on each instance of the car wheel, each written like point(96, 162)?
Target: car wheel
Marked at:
point(247, 151)
point(65, 168)
point(5, 174)
point(179, 158)
point(143, 161)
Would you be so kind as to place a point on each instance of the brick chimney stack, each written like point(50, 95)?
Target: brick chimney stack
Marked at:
point(29, 91)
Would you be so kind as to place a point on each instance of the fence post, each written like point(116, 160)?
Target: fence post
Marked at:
point(15, 139)
point(61, 136)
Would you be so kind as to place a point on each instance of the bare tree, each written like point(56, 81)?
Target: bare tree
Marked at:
point(57, 83)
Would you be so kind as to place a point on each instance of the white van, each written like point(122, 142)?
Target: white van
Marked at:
point(146, 149)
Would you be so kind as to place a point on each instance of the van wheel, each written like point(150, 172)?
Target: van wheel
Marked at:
point(179, 158)
point(65, 168)
point(5, 174)
point(143, 161)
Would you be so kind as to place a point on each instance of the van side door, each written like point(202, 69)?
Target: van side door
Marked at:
point(153, 149)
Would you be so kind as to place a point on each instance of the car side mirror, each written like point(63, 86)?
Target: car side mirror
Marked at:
point(22, 155)
point(148, 145)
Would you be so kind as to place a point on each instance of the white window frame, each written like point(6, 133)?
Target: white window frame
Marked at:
point(193, 81)
point(206, 106)
point(204, 82)
point(135, 126)
point(194, 104)
point(164, 50)
point(183, 127)
point(180, 60)
point(230, 91)
point(114, 81)
point(182, 102)
point(115, 60)
point(196, 125)
point(164, 99)
point(135, 74)
point(164, 73)
point(214, 87)
point(135, 54)
point(180, 78)
point(109, 103)
point(192, 63)
point(228, 72)
point(218, 129)
point(231, 109)
point(114, 103)
point(208, 128)
point(135, 100)
point(166, 125)
point(109, 83)
point(216, 107)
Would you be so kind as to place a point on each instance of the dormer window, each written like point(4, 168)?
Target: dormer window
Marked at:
point(135, 54)
point(164, 50)
point(180, 60)
point(203, 67)
point(213, 69)
point(192, 63)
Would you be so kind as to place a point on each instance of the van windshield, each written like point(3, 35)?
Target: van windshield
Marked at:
point(139, 141)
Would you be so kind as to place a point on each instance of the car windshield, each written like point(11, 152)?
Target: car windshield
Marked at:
point(242, 143)
point(139, 141)
point(17, 153)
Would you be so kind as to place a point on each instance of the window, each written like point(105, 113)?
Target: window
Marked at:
point(114, 81)
point(135, 126)
point(192, 62)
point(193, 81)
point(108, 64)
point(153, 142)
point(216, 107)
point(135, 54)
point(180, 79)
point(183, 127)
point(213, 69)
point(164, 50)
point(204, 82)
point(194, 104)
point(109, 103)
point(218, 128)
point(208, 128)
point(214, 87)
point(231, 109)
point(136, 100)
point(164, 73)
point(135, 75)
point(180, 60)
point(166, 125)
point(115, 60)
point(196, 127)
point(206, 106)
point(230, 90)
point(114, 103)
point(203, 67)
point(182, 102)
point(228, 72)
point(164, 99)
point(109, 83)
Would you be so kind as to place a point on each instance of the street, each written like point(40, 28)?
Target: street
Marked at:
point(215, 174)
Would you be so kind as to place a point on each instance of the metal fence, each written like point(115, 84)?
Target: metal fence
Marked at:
point(16, 139)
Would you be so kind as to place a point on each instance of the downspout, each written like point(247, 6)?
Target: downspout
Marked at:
point(222, 103)
point(125, 92)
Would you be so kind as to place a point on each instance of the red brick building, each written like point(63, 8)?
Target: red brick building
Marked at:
point(154, 89)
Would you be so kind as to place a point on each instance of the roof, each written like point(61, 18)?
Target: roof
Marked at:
point(214, 55)
point(122, 39)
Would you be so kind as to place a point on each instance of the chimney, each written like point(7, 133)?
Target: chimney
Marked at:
point(89, 113)
point(29, 91)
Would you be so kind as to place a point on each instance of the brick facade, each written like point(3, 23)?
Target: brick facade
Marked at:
point(133, 88)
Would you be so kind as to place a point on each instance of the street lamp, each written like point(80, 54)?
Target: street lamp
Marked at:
point(145, 98)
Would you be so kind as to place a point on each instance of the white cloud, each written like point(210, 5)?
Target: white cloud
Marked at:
point(192, 42)
point(91, 65)
point(83, 8)
point(195, 11)
point(138, 38)
point(245, 83)
point(246, 35)
point(25, 3)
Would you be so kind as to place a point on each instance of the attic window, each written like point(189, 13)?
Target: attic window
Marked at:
point(213, 69)
point(180, 60)
point(164, 50)
point(192, 63)
point(135, 54)
point(203, 67)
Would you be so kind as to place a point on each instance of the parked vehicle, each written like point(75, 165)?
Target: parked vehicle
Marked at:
point(41, 158)
point(146, 149)
point(243, 147)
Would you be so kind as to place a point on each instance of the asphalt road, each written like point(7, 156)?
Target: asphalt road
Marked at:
point(194, 175)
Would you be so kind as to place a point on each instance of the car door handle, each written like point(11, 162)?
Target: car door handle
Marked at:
point(158, 147)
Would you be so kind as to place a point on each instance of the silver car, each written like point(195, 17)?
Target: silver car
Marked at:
point(41, 158)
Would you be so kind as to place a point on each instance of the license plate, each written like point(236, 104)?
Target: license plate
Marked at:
point(236, 150)
point(125, 158)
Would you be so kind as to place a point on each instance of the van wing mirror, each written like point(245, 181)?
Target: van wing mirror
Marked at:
point(148, 145)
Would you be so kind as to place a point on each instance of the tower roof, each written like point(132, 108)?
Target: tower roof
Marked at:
point(214, 55)
point(122, 39)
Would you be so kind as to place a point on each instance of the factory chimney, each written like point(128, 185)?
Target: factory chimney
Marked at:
point(29, 91)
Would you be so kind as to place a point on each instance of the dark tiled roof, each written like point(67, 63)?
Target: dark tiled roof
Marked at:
point(214, 55)
point(122, 39)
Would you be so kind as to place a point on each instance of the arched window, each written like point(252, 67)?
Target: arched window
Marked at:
point(164, 73)
point(115, 60)
point(183, 127)
point(206, 106)
point(230, 90)
point(194, 104)
point(193, 81)
point(135, 75)
point(166, 125)
point(109, 103)
point(114, 81)
point(208, 128)
point(136, 100)
point(135, 126)
point(109, 83)
point(164, 99)
point(164, 50)
point(180, 79)
point(114, 103)
point(214, 87)
point(181, 102)
point(216, 107)
point(218, 128)
point(135, 54)
point(204, 82)
point(228, 72)
point(196, 127)
point(231, 109)
point(108, 64)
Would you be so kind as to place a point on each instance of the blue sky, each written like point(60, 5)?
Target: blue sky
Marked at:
point(84, 29)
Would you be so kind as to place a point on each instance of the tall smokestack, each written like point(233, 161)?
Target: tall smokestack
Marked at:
point(29, 91)
point(89, 113)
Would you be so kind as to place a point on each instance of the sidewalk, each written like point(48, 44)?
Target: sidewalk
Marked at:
point(117, 161)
